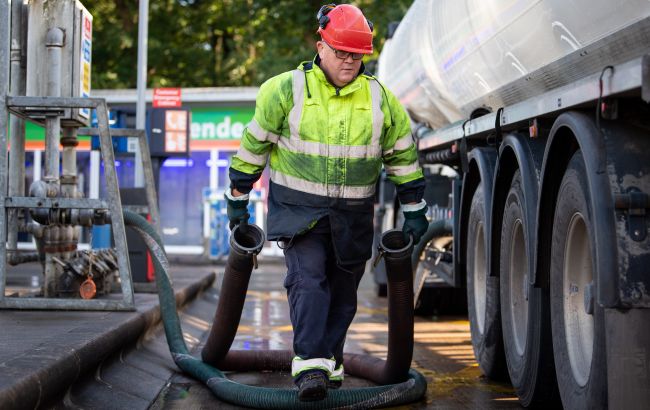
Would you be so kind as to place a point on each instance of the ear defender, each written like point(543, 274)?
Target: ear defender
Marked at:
point(322, 17)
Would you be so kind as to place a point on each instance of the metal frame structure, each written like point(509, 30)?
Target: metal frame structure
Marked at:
point(35, 109)
point(44, 111)
point(149, 184)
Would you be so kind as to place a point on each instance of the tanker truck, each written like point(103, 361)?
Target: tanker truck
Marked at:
point(533, 126)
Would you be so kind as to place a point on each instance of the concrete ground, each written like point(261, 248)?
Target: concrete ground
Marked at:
point(118, 360)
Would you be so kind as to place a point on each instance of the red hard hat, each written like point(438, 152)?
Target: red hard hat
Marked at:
point(344, 27)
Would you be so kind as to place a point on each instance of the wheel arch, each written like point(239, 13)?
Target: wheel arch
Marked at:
point(516, 152)
point(481, 163)
point(573, 131)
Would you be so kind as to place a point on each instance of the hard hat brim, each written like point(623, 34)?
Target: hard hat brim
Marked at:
point(359, 46)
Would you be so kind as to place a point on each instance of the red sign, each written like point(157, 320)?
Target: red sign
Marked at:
point(166, 97)
point(88, 27)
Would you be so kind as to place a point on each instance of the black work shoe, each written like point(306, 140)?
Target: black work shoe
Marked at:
point(312, 385)
point(334, 384)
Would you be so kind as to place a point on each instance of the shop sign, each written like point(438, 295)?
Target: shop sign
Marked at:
point(218, 128)
point(220, 124)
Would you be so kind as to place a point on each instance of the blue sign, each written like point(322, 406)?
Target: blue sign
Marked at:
point(219, 235)
point(116, 119)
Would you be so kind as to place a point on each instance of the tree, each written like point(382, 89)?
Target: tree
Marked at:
point(201, 43)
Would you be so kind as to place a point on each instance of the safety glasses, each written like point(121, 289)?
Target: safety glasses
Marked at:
point(345, 54)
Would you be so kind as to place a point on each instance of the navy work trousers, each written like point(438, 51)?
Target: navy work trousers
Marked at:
point(322, 295)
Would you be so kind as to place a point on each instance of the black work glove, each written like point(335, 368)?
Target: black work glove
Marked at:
point(237, 212)
point(415, 224)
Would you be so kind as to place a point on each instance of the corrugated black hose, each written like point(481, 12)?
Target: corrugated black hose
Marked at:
point(411, 386)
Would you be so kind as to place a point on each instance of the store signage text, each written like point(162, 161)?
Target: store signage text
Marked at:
point(215, 124)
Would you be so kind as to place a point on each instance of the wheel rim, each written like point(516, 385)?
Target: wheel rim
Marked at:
point(518, 287)
point(480, 277)
point(577, 275)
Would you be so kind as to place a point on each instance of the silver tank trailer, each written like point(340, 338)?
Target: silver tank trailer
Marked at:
point(450, 57)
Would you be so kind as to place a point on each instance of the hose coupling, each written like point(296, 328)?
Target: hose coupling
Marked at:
point(247, 240)
point(393, 244)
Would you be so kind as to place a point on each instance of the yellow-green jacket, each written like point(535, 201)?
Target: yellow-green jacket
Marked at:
point(326, 147)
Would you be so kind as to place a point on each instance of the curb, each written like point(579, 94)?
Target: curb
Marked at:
point(50, 380)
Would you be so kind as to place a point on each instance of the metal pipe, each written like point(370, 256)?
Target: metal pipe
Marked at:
point(45, 214)
point(69, 156)
point(54, 43)
point(17, 125)
point(38, 160)
point(38, 189)
point(4, 89)
point(24, 258)
point(143, 34)
point(33, 228)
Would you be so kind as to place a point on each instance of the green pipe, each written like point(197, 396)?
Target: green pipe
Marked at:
point(413, 389)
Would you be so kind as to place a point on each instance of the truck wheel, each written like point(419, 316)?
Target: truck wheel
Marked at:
point(525, 310)
point(483, 295)
point(577, 321)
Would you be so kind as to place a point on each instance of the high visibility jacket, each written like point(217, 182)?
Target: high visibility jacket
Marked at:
point(326, 147)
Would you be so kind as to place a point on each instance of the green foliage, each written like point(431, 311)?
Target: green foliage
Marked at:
point(205, 43)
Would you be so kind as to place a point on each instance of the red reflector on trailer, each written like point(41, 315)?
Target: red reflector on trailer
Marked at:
point(533, 130)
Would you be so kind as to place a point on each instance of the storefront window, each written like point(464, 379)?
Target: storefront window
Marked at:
point(181, 205)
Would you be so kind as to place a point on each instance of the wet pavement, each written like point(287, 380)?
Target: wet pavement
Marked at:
point(140, 373)
point(442, 352)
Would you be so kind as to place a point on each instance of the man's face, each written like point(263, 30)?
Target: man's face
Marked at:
point(340, 71)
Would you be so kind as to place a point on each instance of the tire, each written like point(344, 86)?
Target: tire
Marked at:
point(483, 296)
point(525, 310)
point(578, 337)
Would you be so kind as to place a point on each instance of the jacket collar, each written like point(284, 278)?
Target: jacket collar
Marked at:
point(314, 67)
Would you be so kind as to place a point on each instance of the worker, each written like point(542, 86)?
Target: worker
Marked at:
point(327, 127)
